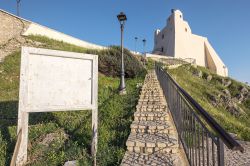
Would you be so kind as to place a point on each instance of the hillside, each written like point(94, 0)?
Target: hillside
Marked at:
point(57, 137)
point(227, 100)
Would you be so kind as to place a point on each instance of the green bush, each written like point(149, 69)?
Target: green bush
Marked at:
point(109, 59)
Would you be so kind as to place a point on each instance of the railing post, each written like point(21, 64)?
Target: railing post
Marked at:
point(220, 152)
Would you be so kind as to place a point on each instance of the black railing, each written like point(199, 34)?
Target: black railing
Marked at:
point(201, 136)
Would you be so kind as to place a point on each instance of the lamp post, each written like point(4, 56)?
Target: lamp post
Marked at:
point(122, 87)
point(136, 38)
point(17, 7)
point(144, 44)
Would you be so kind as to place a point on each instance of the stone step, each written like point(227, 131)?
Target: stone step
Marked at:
point(152, 99)
point(148, 85)
point(154, 108)
point(155, 159)
point(152, 143)
point(142, 96)
point(160, 103)
point(151, 116)
point(151, 127)
point(151, 90)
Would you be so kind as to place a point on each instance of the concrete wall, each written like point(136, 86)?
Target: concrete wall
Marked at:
point(36, 29)
point(176, 40)
point(12, 26)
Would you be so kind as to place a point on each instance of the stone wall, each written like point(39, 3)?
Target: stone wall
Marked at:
point(13, 30)
point(11, 27)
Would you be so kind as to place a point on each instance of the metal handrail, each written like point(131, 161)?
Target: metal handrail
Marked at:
point(17, 147)
point(229, 141)
point(202, 137)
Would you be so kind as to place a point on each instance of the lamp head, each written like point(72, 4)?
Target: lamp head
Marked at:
point(122, 18)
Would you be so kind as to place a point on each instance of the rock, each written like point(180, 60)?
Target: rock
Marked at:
point(213, 100)
point(198, 73)
point(233, 135)
point(226, 82)
point(227, 92)
point(209, 78)
point(70, 163)
point(49, 138)
point(240, 98)
point(234, 109)
point(244, 90)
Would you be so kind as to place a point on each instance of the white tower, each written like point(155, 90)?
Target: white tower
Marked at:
point(176, 40)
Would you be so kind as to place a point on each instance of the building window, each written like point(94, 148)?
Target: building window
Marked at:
point(162, 49)
point(180, 16)
point(162, 36)
point(186, 29)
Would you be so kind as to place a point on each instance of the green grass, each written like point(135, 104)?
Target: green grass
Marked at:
point(200, 90)
point(71, 131)
point(150, 64)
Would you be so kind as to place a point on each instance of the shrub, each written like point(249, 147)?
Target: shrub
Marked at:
point(110, 62)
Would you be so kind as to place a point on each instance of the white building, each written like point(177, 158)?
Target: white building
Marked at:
point(176, 40)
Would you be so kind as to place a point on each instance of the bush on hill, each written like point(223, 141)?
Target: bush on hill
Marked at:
point(109, 59)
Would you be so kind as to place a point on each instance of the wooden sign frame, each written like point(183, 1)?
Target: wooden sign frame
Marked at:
point(28, 92)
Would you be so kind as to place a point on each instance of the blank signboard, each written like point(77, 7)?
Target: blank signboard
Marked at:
point(57, 80)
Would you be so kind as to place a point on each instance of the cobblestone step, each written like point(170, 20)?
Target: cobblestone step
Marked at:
point(151, 127)
point(155, 159)
point(152, 99)
point(151, 143)
point(161, 103)
point(153, 139)
point(156, 90)
point(151, 116)
point(155, 108)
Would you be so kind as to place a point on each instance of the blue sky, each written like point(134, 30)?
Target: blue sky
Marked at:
point(225, 23)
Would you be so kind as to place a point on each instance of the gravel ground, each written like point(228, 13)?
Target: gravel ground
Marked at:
point(236, 158)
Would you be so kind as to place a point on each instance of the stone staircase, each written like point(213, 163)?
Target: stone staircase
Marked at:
point(153, 139)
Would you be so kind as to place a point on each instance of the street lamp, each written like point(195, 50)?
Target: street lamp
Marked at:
point(144, 44)
point(122, 88)
point(17, 7)
point(136, 38)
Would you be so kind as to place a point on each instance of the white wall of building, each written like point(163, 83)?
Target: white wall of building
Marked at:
point(176, 40)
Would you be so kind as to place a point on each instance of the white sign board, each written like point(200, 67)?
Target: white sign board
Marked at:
point(53, 80)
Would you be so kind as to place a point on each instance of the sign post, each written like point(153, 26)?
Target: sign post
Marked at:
point(53, 80)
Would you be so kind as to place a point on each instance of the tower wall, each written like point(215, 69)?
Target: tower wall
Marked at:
point(176, 40)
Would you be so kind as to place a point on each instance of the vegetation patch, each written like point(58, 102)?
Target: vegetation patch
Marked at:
point(227, 100)
point(57, 137)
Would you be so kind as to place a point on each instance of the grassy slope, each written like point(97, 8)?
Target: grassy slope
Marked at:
point(115, 116)
point(200, 89)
